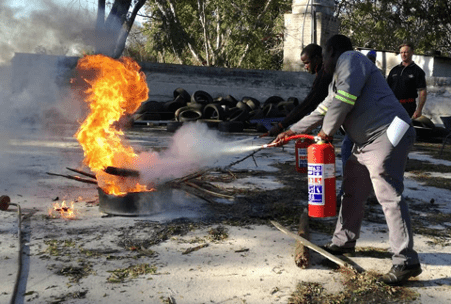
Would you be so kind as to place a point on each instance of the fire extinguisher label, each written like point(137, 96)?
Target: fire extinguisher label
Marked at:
point(316, 184)
point(329, 170)
point(302, 157)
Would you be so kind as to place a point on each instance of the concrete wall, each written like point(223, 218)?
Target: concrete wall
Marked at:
point(36, 71)
point(163, 79)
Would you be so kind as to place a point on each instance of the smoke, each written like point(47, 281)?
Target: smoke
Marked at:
point(52, 29)
point(36, 101)
point(193, 147)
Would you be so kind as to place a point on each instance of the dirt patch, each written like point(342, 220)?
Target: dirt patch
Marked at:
point(358, 288)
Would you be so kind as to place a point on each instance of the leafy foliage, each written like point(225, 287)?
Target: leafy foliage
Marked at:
point(385, 24)
point(238, 33)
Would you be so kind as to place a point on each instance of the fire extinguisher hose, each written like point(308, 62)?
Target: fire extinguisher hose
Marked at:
point(19, 258)
point(286, 140)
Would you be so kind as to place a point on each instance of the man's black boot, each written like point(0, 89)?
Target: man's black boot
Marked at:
point(337, 250)
point(399, 274)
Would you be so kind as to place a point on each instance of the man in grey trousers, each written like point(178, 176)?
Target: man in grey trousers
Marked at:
point(360, 100)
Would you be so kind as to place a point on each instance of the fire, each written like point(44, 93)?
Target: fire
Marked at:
point(63, 211)
point(115, 88)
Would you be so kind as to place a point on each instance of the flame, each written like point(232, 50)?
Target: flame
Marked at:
point(63, 211)
point(115, 88)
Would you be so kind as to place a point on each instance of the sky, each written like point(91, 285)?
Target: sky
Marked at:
point(24, 7)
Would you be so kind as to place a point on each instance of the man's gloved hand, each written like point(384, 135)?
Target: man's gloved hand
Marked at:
point(325, 137)
point(276, 130)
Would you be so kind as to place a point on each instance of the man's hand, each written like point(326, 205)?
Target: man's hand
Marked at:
point(280, 139)
point(325, 137)
point(416, 114)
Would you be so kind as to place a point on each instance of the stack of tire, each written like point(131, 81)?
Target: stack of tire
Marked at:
point(224, 113)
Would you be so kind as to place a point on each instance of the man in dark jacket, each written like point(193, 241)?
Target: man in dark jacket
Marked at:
point(312, 58)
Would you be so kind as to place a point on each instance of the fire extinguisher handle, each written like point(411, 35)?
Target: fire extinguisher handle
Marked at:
point(328, 139)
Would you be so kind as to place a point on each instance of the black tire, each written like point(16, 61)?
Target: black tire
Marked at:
point(257, 114)
point(285, 107)
point(253, 103)
point(293, 100)
point(173, 126)
point(201, 97)
point(182, 93)
point(173, 105)
point(197, 106)
point(231, 126)
point(273, 99)
point(211, 123)
point(189, 115)
point(261, 128)
point(243, 106)
point(214, 111)
point(148, 116)
point(177, 112)
point(229, 101)
point(240, 115)
point(150, 106)
point(270, 111)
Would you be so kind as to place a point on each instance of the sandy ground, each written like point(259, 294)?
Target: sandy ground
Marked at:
point(254, 264)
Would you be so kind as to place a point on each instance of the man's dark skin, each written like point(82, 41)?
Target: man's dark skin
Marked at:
point(312, 58)
point(329, 60)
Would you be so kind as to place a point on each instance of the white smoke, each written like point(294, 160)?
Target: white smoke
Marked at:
point(52, 29)
point(193, 147)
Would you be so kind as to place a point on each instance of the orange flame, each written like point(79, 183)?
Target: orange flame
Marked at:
point(63, 211)
point(115, 88)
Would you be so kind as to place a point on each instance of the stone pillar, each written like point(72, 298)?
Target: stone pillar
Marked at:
point(311, 21)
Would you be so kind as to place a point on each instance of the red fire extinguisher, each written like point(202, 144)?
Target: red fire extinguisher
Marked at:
point(321, 173)
point(300, 147)
point(321, 180)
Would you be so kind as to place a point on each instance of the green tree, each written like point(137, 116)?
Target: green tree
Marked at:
point(384, 24)
point(226, 33)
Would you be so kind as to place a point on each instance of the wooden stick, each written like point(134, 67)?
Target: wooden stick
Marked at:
point(77, 178)
point(186, 177)
point(195, 192)
point(82, 172)
point(208, 191)
point(301, 252)
point(312, 246)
